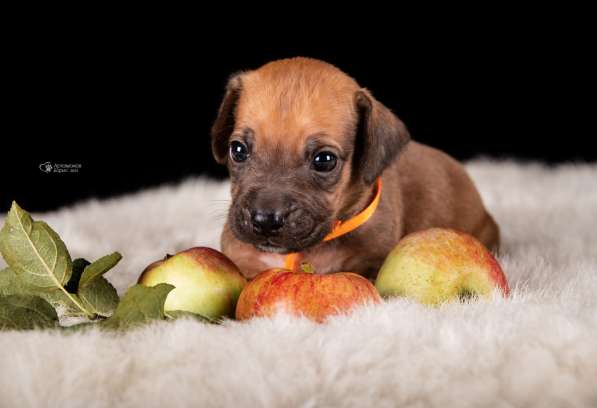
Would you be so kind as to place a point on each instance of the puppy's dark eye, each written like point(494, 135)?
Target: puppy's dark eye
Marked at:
point(324, 161)
point(238, 151)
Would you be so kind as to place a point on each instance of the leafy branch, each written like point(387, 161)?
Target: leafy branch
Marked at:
point(41, 279)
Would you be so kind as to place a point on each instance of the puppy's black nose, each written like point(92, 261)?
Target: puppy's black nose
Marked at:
point(266, 221)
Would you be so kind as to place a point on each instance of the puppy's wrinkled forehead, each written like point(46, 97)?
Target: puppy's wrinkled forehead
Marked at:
point(287, 101)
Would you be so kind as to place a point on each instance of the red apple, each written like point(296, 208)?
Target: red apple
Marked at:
point(206, 282)
point(301, 293)
point(437, 265)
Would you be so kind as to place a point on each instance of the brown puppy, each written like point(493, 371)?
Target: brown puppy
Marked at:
point(304, 144)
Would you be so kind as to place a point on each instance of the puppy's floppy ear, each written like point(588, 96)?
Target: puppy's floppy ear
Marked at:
point(224, 123)
point(380, 136)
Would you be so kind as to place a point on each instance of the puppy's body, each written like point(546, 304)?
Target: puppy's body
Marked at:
point(284, 104)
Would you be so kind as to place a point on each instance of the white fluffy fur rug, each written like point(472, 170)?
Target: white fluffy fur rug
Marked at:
point(535, 349)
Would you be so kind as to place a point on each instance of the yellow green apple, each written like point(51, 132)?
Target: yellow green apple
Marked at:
point(206, 282)
point(437, 265)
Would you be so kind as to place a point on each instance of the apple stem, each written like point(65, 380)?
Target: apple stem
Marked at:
point(307, 267)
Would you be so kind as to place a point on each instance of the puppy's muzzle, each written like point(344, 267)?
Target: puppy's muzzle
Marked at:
point(275, 220)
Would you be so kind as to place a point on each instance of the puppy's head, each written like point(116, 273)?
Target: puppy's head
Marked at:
point(303, 144)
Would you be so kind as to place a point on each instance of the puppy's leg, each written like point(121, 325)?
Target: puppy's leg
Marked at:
point(488, 233)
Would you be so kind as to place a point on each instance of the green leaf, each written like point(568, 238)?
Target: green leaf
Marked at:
point(139, 305)
point(181, 314)
point(99, 296)
point(11, 284)
point(99, 267)
point(34, 251)
point(25, 312)
point(95, 291)
point(5, 282)
point(39, 259)
point(64, 304)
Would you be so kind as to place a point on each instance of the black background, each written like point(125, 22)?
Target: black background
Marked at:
point(134, 106)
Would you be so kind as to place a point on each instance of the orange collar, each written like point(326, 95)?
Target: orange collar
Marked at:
point(342, 227)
